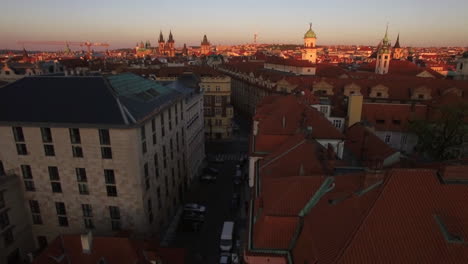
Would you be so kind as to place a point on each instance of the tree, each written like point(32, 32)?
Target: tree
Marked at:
point(443, 136)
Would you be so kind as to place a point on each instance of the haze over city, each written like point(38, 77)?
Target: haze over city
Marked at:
point(337, 22)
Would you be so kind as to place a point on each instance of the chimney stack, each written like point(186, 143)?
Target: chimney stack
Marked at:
point(87, 242)
point(284, 121)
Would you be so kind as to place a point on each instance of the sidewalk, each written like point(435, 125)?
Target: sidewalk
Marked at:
point(171, 231)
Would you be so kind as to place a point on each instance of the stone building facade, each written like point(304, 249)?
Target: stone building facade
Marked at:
point(116, 162)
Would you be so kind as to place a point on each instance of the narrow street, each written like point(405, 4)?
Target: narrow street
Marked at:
point(203, 245)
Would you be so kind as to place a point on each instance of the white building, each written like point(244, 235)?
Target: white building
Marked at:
point(95, 153)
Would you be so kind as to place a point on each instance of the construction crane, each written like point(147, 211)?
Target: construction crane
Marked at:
point(87, 44)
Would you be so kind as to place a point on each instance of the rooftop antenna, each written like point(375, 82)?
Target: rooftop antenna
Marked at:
point(255, 38)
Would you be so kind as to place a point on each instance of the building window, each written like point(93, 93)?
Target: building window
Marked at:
point(153, 125)
point(218, 99)
point(2, 200)
point(4, 220)
point(18, 134)
point(75, 137)
point(35, 212)
point(104, 137)
point(421, 96)
point(49, 150)
point(106, 152)
point(77, 151)
point(143, 147)
point(159, 197)
point(337, 123)
point(380, 121)
point(46, 135)
point(2, 169)
point(61, 213)
point(54, 179)
point(21, 149)
point(461, 65)
point(162, 124)
point(379, 94)
point(146, 172)
point(150, 211)
point(404, 139)
point(388, 138)
point(87, 215)
point(164, 157)
point(82, 180)
point(27, 177)
point(324, 109)
point(396, 122)
point(111, 187)
point(143, 133)
point(218, 111)
point(156, 165)
point(114, 212)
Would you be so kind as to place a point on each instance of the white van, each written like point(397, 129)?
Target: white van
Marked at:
point(226, 236)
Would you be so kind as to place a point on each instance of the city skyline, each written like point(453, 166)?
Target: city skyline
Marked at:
point(420, 23)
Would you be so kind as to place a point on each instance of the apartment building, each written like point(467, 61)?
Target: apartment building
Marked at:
point(218, 109)
point(95, 153)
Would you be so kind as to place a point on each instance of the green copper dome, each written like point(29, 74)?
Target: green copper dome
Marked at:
point(310, 33)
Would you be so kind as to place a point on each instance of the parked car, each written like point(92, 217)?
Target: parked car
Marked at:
point(234, 258)
point(193, 217)
point(210, 170)
point(235, 201)
point(208, 178)
point(225, 258)
point(237, 180)
point(219, 159)
point(195, 207)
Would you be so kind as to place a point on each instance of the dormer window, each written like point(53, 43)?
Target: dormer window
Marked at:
point(420, 96)
point(379, 94)
point(351, 93)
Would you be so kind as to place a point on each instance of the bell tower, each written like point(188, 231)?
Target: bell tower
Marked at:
point(161, 44)
point(170, 45)
point(383, 56)
point(310, 50)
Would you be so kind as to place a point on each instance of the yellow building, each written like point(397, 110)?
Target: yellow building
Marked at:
point(217, 106)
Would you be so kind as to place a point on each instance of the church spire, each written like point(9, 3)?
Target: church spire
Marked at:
point(171, 39)
point(397, 43)
point(161, 37)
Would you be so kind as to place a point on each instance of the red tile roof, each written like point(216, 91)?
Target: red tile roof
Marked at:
point(111, 249)
point(365, 145)
point(401, 227)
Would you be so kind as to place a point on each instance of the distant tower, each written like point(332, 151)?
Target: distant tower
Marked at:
point(161, 43)
point(310, 50)
point(170, 45)
point(185, 50)
point(205, 46)
point(397, 50)
point(383, 56)
point(25, 55)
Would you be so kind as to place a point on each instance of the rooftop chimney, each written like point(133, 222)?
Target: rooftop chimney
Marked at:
point(87, 242)
point(284, 121)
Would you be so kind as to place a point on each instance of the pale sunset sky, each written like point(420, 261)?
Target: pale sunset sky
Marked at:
point(123, 23)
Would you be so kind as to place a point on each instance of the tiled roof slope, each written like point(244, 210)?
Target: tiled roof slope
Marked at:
point(288, 115)
point(402, 225)
point(365, 145)
point(117, 250)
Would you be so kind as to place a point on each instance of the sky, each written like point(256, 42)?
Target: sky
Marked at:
point(122, 23)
